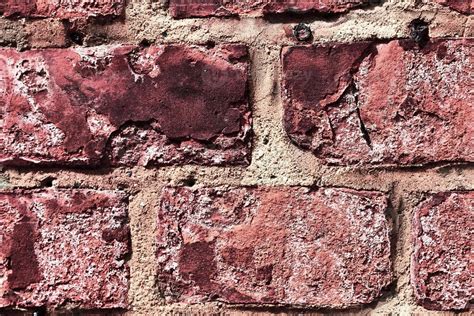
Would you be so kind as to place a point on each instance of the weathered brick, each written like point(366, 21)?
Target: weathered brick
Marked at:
point(46, 33)
point(381, 103)
point(280, 245)
point(463, 6)
point(61, 9)
point(152, 106)
point(206, 8)
point(442, 262)
point(63, 248)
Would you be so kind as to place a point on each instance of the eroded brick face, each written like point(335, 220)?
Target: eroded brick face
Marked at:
point(64, 9)
point(388, 103)
point(63, 248)
point(125, 106)
point(463, 6)
point(206, 8)
point(442, 262)
point(281, 245)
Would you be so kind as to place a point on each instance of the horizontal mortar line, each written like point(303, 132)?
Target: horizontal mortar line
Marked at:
point(414, 169)
point(130, 185)
point(255, 45)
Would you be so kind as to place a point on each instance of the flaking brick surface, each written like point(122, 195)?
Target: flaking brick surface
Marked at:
point(122, 105)
point(64, 249)
point(392, 103)
point(442, 262)
point(283, 245)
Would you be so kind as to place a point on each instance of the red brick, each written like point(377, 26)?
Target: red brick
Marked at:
point(206, 8)
point(463, 6)
point(48, 33)
point(61, 9)
point(381, 103)
point(442, 262)
point(63, 248)
point(155, 106)
point(281, 245)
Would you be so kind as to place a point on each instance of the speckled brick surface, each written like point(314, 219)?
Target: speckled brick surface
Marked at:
point(63, 249)
point(63, 9)
point(463, 6)
point(442, 262)
point(325, 247)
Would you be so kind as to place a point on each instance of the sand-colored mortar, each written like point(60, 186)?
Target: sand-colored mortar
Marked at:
point(275, 161)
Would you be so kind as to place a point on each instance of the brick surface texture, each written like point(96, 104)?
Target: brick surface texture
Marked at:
point(236, 157)
point(328, 247)
point(64, 9)
point(390, 103)
point(158, 105)
point(463, 6)
point(442, 266)
point(63, 248)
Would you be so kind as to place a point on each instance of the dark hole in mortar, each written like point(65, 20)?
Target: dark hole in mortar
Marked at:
point(76, 185)
point(47, 182)
point(210, 44)
point(190, 181)
point(302, 32)
point(419, 31)
point(145, 43)
point(76, 37)
point(39, 312)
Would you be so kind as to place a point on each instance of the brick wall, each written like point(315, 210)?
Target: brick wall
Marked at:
point(236, 157)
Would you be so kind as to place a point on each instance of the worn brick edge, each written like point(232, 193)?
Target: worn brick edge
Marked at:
point(415, 231)
point(387, 293)
point(362, 166)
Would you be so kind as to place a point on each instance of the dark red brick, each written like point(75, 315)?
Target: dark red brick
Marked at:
point(381, 103)
point(442, 262)
point(463, 6)
point(155, 106)
point(61, 9)
point(206, 8)
point(63, 248)
point(279, 245)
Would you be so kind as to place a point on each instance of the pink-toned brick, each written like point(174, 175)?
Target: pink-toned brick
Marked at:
point(61, 9)
point(279, 245)
point(442, 262)
point(206, 8)
point(381, 103)
point(463, 6)
point(123, 105)
point(63, 249)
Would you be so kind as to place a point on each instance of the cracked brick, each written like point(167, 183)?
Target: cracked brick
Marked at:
point(374, 103)
point(122, 105)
